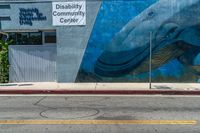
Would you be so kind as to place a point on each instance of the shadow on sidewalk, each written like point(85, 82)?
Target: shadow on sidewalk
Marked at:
point(162, 87)
point(16, 84)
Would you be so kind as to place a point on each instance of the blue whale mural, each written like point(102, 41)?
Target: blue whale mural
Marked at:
point(130, 47)
point(175, 28)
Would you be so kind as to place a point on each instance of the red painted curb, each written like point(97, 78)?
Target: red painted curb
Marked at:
point(101, 92)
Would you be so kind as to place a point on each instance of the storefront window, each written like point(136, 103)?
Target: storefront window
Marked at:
point(26, 38)
point(12, 36)
point(50, 37)
point(35, 38)
point(22, 38)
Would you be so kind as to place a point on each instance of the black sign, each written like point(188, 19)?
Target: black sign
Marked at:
point(27, 16)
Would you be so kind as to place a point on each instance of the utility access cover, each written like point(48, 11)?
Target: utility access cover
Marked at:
point(70, 113)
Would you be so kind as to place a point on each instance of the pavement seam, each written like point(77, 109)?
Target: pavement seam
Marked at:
point(39, 100)
point(43, 106)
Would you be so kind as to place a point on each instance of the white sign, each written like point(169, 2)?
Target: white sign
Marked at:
point(69, 13)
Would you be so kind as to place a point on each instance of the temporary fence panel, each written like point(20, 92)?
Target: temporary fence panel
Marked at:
point(30, 63)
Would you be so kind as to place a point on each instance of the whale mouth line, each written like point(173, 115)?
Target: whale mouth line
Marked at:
point(179, 47)
point(104, 69)
point(119, 64)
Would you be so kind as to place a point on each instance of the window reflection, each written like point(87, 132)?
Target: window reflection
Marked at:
point(35, 38)
point(50, 37)
point(22, 38)
point(26, 38)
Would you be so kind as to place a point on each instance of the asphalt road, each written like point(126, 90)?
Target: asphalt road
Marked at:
point(102, 114)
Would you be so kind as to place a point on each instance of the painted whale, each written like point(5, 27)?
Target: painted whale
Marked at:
point(175, 25)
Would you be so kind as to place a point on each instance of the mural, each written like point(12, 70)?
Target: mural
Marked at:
point(119, 46)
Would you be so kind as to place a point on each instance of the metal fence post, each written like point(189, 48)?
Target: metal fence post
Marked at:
point(150, 61)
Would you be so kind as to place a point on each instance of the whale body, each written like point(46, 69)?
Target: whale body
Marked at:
point(175, 28)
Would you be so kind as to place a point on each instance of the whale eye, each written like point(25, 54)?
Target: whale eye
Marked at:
point(151, 14)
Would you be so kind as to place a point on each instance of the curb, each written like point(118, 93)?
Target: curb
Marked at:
point(99, 92)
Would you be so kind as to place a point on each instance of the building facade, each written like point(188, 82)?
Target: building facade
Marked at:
point(113, 44)
point(41, 51)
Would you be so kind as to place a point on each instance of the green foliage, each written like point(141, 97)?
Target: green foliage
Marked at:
point(4, 62)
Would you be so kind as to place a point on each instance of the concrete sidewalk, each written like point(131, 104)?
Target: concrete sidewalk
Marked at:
point(101, 88)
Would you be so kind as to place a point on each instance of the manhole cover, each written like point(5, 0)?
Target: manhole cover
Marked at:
point(70, 113)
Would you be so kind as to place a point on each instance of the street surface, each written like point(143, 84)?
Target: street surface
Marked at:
point(100, 114)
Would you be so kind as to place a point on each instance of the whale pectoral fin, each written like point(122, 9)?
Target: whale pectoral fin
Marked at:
point(192, 68)
point(160, 57)
point(187, 61)
point(195, 69)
